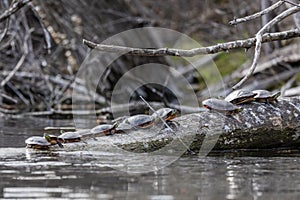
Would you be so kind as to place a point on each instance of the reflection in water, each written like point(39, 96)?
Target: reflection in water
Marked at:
point(83, 175)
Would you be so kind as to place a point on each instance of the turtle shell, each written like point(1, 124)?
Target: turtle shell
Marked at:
point(165, 113)
point(68, 137)
point(123, 127)
point(37, 142)
point(220, 105)
point(142, 121)
point(84, 133)
point(107, 129)
point(265, 95)
point(240, 96)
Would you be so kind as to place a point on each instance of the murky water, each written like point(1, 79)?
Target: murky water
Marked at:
point(92, 175)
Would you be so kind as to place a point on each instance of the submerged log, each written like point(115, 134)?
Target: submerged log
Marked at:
point(258, 126)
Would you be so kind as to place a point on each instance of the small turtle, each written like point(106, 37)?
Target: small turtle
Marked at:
point(37, 142)
point(166, 114)
point(221, 106)
point(69, 137)
point(264, 96)
point(240, 97)
point(53, 140)
point(104, 129)
point(141, 121)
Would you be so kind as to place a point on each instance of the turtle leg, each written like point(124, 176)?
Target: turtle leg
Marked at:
point(59, 144)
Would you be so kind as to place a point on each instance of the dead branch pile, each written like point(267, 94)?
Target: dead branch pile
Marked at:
point(41, 46)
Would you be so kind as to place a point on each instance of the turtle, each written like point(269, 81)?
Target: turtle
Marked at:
point(69, 137)
point(104, 129)
point(265, 96)
point(37, 142)
point(240, 96)
point(53, 139)
point(140, 121)
point(166, 114)
point(221, 106)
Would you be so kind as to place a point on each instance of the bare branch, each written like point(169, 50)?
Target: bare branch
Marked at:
point(196, 51)
point(256, 15)
point(20, 62)
point(259, 36)
point(13, 8)
point(290, 2)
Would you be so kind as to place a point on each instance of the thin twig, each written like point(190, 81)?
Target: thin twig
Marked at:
point(163, 121)
point(290, 2)
point(13, 8)
point(259, 39)
point(256, 15)
point(196, 51)
point(167, 125)
point(5, 96)
point(288, 84)
point(20, 62)
point(17, 67)
point(5, 30)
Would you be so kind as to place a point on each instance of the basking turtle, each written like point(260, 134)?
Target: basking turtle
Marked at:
point(166, 114)
point(240, 97)
point(104, 129)
point(69, 137)
point(37, 142)
point(221, 106)
point(264, 96)
point(140, 121)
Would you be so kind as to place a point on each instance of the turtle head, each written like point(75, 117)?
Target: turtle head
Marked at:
point(276, 95)
point(47, 137)
point(115, 125)
point(240, 109)
point(173, 113)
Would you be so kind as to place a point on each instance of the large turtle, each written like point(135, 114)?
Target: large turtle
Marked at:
point(265, 96)
point(221, 106)
point(37, 142)
point(140, 121)
point(69, 137)
point(103, 129)
point(240, 96)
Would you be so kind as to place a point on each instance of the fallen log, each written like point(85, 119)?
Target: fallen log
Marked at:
point(258, 126)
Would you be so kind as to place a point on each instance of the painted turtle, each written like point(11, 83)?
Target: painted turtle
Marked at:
point(69, 137)
point(240, 97)
point(104, 129)
point(37, 142)
point(166, 114)
point(221, 106)
point(264, 96)
point(140, 121)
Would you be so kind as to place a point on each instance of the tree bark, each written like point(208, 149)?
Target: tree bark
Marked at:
point(258, 126)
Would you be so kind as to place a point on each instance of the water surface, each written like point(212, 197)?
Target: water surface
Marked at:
point(92, 175)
